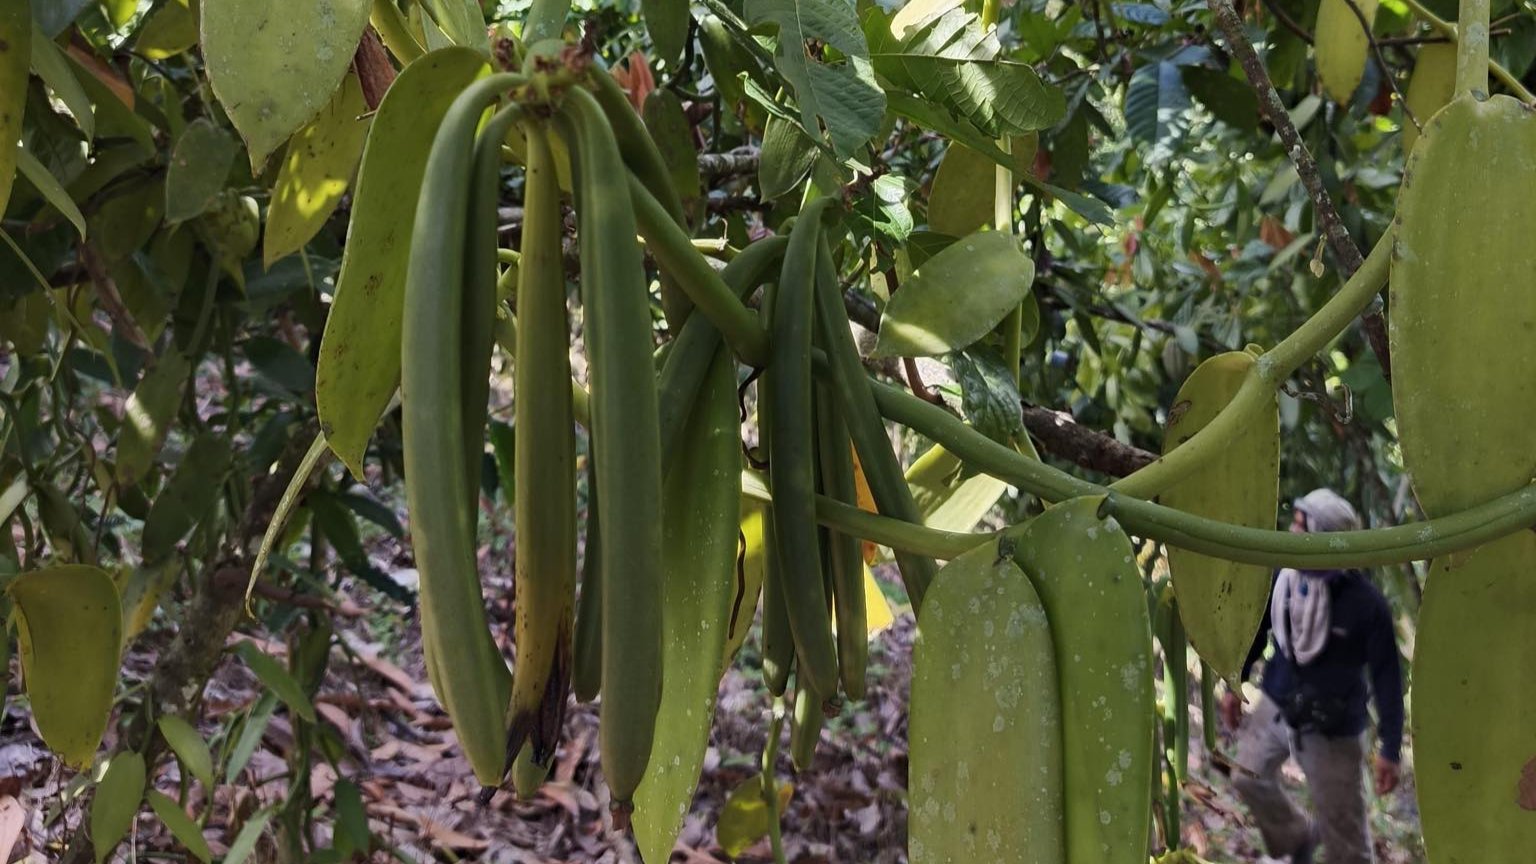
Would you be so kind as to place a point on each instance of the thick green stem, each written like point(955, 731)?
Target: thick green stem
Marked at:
point(674, 251)
point(1271, 370)
point(770, 792)
point(1367, 548)
point(1449, 30)
point(1472, 48)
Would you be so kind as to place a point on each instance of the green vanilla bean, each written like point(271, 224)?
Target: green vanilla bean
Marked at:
point(673, 250)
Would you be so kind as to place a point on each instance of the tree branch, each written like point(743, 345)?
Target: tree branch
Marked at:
point(1345, 253)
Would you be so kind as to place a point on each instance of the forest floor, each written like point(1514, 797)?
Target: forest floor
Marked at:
point(399, 756)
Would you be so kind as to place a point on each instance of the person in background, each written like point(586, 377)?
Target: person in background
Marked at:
point(1332, 631)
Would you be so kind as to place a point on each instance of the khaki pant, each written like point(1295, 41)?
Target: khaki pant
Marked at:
point(1334, 777)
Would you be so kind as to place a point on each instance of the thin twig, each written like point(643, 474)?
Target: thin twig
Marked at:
point(1346, 254)
point(111, 300)
point(1288, 22)
point(1386, 70)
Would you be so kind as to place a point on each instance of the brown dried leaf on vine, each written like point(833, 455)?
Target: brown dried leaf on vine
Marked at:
point(636, 79)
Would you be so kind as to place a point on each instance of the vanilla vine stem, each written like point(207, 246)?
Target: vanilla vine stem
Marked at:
point(1265, 377)
point(1472, 48)
point(1451, 31)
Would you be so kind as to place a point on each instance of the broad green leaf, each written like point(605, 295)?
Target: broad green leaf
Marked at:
point(148, 414)
point(956, 297)
point(786, 157)
point(1155, 101)
point(503, 443)
point(700, 519)
point(70, 633)
point(1430, 88)
point(667, 22)
point(1343, 46)
point(744, 819)
point(881, 209)
point(199, 165)
point(843, 96)
point(190, 748)
point(53, 15)
point(274, 65)
point(24, 322)
point(193, 491)
point(141, 593)
point(252, 729)
point(319, 164)
point(1229, 99)
point(1474, 711)
point(169, 30)
point(949, 59)
point(963, 189)
point(15, 60)
point(250, 834)
point(989, 396)
point(49, 187)
point(1222, 602)
point(988, 778)
point(359, 365)
point(186, 830)
point(122, 224)
point(116, 802)
point(272, 674)
point(57, 72)
point(930, 116)
point(115, 118)
point(669, 126)
point(948, 500)
point(461, 21)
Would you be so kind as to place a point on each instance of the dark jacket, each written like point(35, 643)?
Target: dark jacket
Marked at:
point(1361, 640)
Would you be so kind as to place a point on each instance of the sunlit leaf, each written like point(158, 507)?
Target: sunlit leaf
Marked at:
point(956, 297)
point(842, 97)
point(317, 168)
point(273, 65)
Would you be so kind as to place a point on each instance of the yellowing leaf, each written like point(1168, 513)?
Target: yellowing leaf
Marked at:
point(316, 170)
point(70, 635)
point(744, 819)
point(274, 64)
point(359, 365)
point(878, 613)
point(748, 583)
point(866, 501)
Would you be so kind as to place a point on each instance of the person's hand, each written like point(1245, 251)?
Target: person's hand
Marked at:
point(1231, 710)
point(1385, 772)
